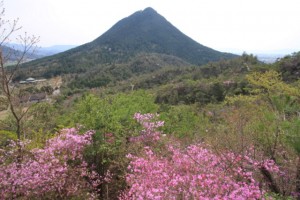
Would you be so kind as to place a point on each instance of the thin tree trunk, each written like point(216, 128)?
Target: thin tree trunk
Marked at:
point(298, 179)
point(272, 184)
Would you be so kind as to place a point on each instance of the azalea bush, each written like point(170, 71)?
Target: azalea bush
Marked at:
point(195, 171)
point(56, 171)
point(150, 125)
point(157, 166)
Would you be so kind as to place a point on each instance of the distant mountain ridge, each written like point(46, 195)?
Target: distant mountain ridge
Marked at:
point(13, 54)
point(42, 51)
point(55, 49)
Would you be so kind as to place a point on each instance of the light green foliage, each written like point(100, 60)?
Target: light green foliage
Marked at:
point(184, 122)
point(5, 136)
point(111, 113)
point(92, 113)
point(274, 196)
point(267, 130)
point(284, 101)
point(3, 103)
point(41, 117)
point(38, 138)
point(291, 129)
point(125, 105)
point(267, 119)
point(240, 99)
point(270, 82)
point(38, 124)
point(112, 118)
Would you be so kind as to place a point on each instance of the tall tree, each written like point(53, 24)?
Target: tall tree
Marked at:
point(9, 29)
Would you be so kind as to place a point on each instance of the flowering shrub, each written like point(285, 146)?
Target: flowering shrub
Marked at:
point(193, 173)
point(56, 171)
point(109, 138)
point(150, 126)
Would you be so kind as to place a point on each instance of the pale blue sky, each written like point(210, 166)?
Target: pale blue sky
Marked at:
point(225, 25)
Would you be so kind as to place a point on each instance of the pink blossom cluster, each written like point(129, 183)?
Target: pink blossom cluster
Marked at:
point(193, 173)
point(150, 126)
point(109, 138)
point(58, 170)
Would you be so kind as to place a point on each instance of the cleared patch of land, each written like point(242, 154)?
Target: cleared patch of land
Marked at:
point(3, 114)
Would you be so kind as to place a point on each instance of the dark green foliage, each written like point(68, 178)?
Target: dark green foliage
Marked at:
point(183, 121)
point(110, 74)
point(29, 90)
point(228, 73)
point(190, 93)
point(289, 66)
point(217, 92)
point(47, 89)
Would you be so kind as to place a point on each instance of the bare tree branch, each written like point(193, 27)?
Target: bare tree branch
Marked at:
point(7, 29)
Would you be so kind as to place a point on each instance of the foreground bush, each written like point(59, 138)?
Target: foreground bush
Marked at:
point(193, 172)
point(57, 171)
point(158, 168)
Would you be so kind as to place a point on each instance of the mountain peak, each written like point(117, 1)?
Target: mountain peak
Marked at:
point(145, 14)
point(149, 10)
point(147, 31)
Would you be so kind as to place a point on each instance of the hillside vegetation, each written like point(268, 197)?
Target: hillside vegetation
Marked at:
point(127, 122)
point(238, 113)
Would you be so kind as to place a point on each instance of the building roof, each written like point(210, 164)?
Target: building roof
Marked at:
point(33, 98)
point(30, 79)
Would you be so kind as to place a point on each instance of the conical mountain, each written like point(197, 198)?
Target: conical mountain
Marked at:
point(142, 32)
point(148, 31)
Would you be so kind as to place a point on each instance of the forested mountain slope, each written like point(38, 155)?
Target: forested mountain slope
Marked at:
point(143, 32)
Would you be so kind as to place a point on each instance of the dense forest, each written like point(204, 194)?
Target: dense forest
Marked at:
point(155, 126)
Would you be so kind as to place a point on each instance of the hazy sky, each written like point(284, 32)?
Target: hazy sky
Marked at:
point(225, 25)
